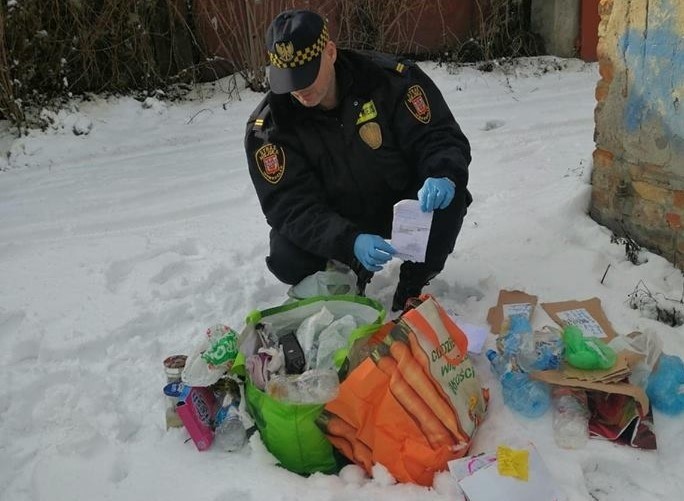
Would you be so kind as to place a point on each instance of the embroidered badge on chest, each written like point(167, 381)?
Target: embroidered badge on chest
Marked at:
point(371, 134)
point(417, 103)
point(368, 112)
point(271, 162)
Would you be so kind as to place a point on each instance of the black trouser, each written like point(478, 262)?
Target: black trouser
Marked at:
point(290, 263)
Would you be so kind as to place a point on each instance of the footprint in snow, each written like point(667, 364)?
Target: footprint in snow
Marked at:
point(493, 124)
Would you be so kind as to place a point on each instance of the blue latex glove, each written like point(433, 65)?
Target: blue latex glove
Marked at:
point(436, 193)
point(372, 251)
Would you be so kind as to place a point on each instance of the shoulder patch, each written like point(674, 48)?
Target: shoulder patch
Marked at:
point(417, 103)
point(270, 160)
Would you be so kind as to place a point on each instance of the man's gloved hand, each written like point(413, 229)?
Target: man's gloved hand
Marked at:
point(372, 251)
point(436, 193)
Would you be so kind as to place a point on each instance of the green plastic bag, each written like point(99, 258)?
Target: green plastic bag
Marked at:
point(288, 430)
point(586, 352)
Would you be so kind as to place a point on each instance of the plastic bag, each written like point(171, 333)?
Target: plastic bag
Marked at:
point(310, 329)
point(218, 345)
point(664, 385)
point(289, 431)
point(586, 352)
point(331, 339)
point(325, 283)
point(647, 344)
point(415, 403)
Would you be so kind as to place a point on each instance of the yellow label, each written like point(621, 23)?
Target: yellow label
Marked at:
point(368, 112)
point(513, 462)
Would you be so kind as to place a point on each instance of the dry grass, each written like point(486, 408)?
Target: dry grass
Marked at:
point(54, 49)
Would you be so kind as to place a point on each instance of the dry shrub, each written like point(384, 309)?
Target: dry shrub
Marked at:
point(238, 28)
point(53, 49)
point(382, 26)
point(57, 48)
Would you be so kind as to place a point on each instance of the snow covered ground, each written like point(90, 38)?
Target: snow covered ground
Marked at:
point(119, 246)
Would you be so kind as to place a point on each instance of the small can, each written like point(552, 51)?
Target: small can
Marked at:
point(172, 392)
point(173, 366)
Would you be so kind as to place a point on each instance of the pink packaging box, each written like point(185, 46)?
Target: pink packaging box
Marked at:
point(197, 408)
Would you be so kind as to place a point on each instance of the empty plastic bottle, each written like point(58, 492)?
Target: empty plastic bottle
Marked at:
point(524, 395)
point(570, 417)
point(665, 385)
point(315, 386)
point(229, 433)
point(518, 328)
point(540, 351)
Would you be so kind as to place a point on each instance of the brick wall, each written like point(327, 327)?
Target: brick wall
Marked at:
point(638, 174)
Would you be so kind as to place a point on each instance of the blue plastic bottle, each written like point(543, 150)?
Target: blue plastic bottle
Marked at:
point(518, 327)
point(524, 395)
point(664, 385)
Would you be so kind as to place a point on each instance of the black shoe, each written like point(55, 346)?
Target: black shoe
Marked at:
point(402, 296)
point(412, 278)
point(363, 277)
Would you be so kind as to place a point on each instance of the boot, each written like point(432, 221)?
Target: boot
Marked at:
point(403, 294)
point(363, 277)
point(412, 279)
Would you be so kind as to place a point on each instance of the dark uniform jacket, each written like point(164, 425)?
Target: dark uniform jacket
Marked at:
point(323, 177)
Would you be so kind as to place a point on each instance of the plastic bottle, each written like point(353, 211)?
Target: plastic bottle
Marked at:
point(570, 417)
point(541, 351)
point(524, 395)
point(665, 385)
point(229, 433)
point(315, 386)
point(518, 329)
point(172, 392)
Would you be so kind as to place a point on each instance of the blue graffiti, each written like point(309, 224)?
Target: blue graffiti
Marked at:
point(655, 61)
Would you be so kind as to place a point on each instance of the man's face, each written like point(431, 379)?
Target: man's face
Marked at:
point(324, 84)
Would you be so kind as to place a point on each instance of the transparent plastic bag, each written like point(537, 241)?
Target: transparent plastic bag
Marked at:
point(331, 339)
point(315, 386)
point(325, 283)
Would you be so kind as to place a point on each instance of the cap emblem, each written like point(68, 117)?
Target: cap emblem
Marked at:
point(287, 57)
point(285, 51)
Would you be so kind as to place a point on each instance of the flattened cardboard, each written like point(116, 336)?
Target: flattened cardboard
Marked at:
point(495, 316)
point(618, 372)
point(557, 377)
point(592, 307)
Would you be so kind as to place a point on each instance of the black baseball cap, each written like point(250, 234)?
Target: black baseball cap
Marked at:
point(295, 41)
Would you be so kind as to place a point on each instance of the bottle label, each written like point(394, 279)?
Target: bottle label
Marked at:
point(227, 413)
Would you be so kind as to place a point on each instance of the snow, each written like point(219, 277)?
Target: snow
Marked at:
point(128, 228)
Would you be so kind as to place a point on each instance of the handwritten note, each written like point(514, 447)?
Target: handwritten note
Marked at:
point(583, 319)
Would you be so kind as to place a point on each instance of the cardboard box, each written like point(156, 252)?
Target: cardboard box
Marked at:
point(197, 408)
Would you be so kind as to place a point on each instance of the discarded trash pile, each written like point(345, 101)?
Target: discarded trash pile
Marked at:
point(326, 381)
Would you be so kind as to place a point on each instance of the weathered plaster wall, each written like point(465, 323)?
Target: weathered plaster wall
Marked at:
point(638, 176)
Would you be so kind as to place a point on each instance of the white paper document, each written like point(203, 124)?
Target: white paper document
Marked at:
point(583, 319)
point(410, 231)
point(482, 481)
